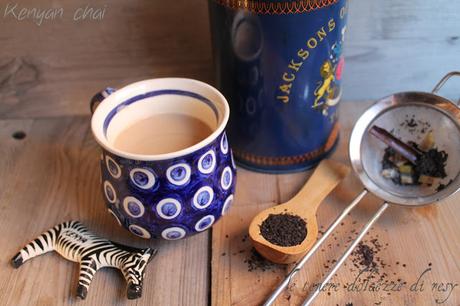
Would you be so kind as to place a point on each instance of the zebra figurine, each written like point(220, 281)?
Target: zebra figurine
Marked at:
point(75, 242)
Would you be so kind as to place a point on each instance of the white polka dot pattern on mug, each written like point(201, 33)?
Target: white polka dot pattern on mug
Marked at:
point(173, 233)
point(203, 197)
point(112, 166)
point(109, 192)
point(179, 174)
point(228, 202)
point(232, 160)
point(204, 223)
point(224, 144)
point(139, 231)
point(114, 216)
point(207, 162)
point(133, 207)
point(142, 178)
point(226, 178)
point(168, 208)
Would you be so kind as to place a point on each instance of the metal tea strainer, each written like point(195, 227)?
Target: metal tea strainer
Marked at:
point(442, 117)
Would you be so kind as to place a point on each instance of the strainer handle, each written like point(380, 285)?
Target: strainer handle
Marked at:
point(444, 80)
point(355, 242)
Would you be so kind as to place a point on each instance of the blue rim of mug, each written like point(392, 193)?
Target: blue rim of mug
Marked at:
point(138, 91)
point(156, 93)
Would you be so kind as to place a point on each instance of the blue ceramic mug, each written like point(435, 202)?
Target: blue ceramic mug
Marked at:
point(170, 195)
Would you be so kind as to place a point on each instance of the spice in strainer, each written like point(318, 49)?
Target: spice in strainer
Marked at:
point(411, 163)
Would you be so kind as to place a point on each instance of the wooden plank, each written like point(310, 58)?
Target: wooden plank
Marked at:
point(53, 175)
point(54, 69)
point(415, 238)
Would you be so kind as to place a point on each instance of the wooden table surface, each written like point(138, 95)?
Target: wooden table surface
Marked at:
point(49, 72)
point(52, 175)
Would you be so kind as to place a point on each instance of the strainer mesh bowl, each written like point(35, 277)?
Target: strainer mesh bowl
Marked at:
point(409, 121)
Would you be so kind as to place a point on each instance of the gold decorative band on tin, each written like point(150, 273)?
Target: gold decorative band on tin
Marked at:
point(276, 8)
point(290, 160)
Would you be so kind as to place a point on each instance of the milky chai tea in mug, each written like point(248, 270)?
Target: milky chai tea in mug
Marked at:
point(161, 134)
point(279, 63)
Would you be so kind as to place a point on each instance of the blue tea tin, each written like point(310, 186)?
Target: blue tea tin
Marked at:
point(280, 63)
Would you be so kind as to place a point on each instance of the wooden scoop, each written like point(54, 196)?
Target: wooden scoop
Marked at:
point(326, 177)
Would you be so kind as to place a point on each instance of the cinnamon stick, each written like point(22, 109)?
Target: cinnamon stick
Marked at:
point(409, 152)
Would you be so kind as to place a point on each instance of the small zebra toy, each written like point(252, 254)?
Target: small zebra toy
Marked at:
point(75, 242)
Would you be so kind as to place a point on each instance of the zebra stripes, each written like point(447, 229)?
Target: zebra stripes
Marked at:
point(75, 242)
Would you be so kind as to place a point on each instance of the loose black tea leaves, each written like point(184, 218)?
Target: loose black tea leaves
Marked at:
point(257, 262)
point(366, 254)
point(284, 229)
point(432, 163)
